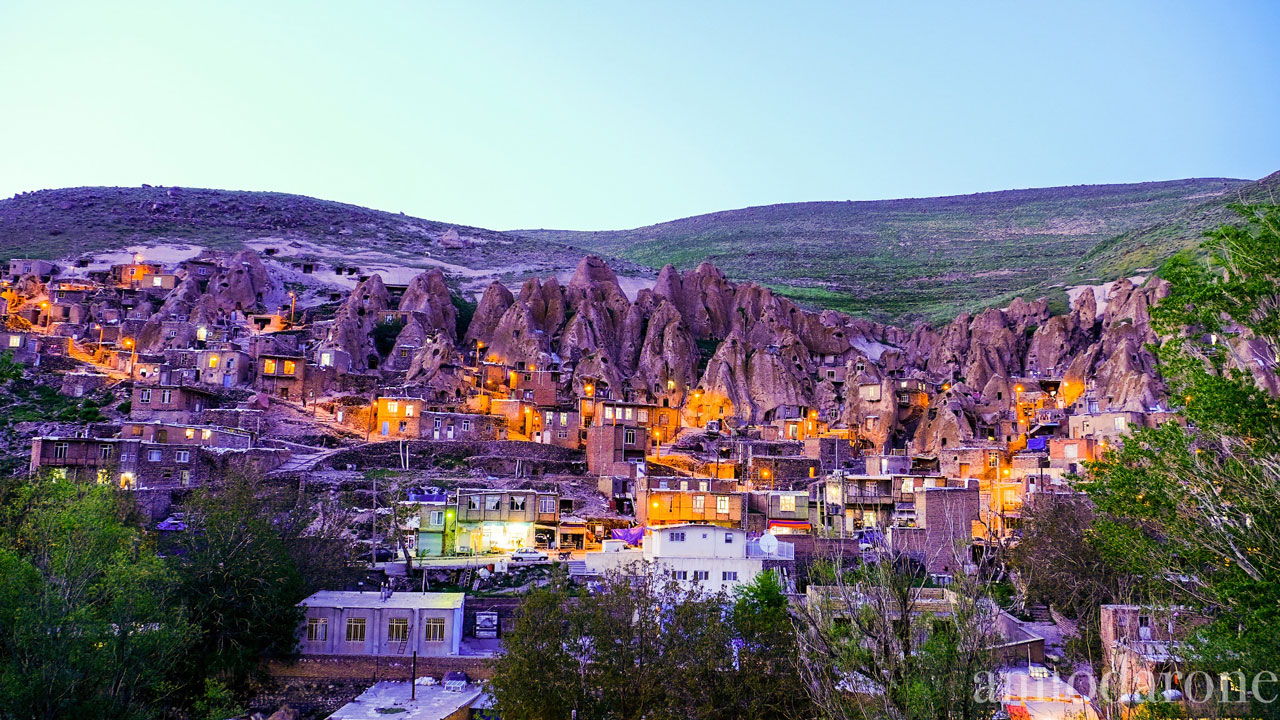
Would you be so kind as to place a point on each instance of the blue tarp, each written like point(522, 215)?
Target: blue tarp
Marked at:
point(1036, 443)
point(632, 536)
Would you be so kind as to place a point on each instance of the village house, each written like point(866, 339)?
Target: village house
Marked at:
point(780, 512)
point(381, 623)
point(938, 527)
point(43, 269)
point(705, 557)
point(616, 450)
point(504, 520)
point(281, 375)
point(408, 418)
point(24, 348)
point(558, 426)
point(133, 275)
point(1143, 648)
point(169, 403)
point(655, 507)
point(225, 367)
point(432, 538)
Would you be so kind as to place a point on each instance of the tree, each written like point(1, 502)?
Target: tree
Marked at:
point(644, 646)
point(89, 622)
point(239, 582)
point(1200, 505)
point(874, 647)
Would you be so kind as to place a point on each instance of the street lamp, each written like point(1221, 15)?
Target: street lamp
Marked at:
point(293, 303)
point(133, 356)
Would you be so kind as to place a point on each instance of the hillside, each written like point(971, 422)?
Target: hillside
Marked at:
point(898, 260)
point(65, 222)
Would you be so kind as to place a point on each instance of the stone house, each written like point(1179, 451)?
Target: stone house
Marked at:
point(616, 449)
point(655, 507)
point(225, 367)
point(503, 520)
point(168, 403)
point(281, 375)
point(938, 528)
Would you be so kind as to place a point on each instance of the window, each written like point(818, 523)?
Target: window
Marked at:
point(269, 368)
point(699, 503)
point(466, 424)
point(231, 362)
point(562, 434)
point(564, 419)
point(677, 536)
point(290, 367)
point(1071, 451)
point(191, 433)
point(213, 361)
point(608, 412)
point(202, 334)
point(398, 629)
point(404, 353)
point(1121, 423)
point(326, 359)
point(728, 538)
point(729, 576)
point(408, 410)
point(700, 575)
point(182, 456)
point(166, 396)
point(722, 504)
point(550, 417)
point(137, 430)
point(206, 434)
point(473, 502)
point(15, 341)
point(680, 574)
point(436, 423)
point(517, 502)
point(642, 416)
point(436, 517)
point(630, 437)
point(492, 502)
point(145, 395)
point(355, 629)
point(155, 455)
point(627, 413)
point(546, 504)
point(404, 426)
point(433, 630)
point(317, 629)
point(60, 450)
point(393, 407)
point(104, 452)
point(186, 478)
point(787, 503)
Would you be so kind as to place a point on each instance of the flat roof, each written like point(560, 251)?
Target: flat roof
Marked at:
point(390, 698)
point(373, 599)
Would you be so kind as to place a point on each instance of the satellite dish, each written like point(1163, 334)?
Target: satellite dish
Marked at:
point(769, 543)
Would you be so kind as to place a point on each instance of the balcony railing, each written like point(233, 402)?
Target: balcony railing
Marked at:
point(785, 551)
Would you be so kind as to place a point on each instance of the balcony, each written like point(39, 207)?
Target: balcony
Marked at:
point(785, 551)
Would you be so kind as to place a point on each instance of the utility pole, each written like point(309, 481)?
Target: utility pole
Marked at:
point(373, 538)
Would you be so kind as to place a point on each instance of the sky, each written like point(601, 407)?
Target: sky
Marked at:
point(592, 115)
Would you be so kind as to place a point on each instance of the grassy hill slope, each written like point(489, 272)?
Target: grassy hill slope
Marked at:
point(927, 258)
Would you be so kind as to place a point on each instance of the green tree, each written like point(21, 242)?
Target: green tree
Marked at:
point(90, 625)
point(1199, 506)
point(239, 582)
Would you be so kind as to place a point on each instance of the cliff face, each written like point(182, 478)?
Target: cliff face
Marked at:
point(760, 354)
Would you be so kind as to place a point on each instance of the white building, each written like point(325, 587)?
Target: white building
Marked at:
point(711, 557)
point(381, 623)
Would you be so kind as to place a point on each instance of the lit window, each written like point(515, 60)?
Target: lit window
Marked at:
point(787, 503)
point(408, 410)
point(213, 361)
point(608, 412)
point(699, 503)
point(546, 505)
point(191, 433)
point(289, 367)
point(1121, 423)
point(627, 413)
point(269, 367)
point(722, 504)
point(564, 419)
point(15, 341)
point(186, 478)
point(317, 630)
point(642, 416)
point(355, 629)
point(206, 434)
point(393, 407)
point(398, 629)
point(326, 359)
point(433, 630)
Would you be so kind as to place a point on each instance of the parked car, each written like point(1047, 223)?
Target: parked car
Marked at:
point(528, 555)
point(383, 554)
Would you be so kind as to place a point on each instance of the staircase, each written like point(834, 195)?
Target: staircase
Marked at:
point(578, 568)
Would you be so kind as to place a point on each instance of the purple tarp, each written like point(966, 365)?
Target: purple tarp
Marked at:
point(632, 536)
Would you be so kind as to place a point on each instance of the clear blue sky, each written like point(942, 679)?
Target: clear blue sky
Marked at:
point(590, 115)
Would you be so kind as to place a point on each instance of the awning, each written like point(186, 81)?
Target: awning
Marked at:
point(790, 524)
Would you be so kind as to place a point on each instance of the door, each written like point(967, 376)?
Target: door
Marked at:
point(386, 427)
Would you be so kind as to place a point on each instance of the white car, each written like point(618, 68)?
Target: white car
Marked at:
point(528, 555)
